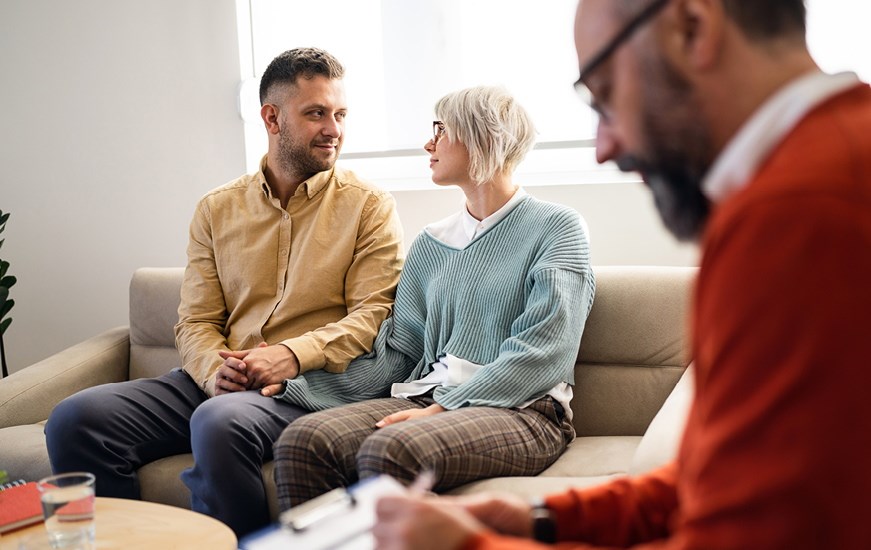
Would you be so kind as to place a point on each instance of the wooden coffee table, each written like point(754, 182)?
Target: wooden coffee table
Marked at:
point(135, 524)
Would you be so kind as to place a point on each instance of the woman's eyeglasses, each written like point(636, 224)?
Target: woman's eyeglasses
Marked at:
point(438, 131)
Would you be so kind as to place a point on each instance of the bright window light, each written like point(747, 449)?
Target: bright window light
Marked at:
point(400, 56)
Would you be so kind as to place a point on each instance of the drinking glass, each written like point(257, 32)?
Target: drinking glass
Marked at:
point(68, 508)
point(43, 542)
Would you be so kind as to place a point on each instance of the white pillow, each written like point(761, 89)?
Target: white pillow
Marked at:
point(662, 438)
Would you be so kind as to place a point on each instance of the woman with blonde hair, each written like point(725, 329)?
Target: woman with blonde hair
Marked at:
point(484, 334)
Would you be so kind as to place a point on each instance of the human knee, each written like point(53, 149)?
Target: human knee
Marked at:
point(217, 419)
point(386, 452)
point(81, 412)
point(305, 434)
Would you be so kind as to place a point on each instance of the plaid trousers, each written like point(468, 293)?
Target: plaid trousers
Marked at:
point(337, 447)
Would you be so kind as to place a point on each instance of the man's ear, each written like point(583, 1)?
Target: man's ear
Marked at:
point(700, 27)
point(269, 113)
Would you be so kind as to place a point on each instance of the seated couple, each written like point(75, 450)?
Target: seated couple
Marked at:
point(482, 340)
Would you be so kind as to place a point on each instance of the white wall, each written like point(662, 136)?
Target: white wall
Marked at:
point(117, 116)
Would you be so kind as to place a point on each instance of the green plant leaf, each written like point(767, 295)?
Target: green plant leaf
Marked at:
point(6, 307)
point(8, 281)
point(3, 217)
point(3, 267)
point(4, 293)
point(4, 325)
point(1, 242)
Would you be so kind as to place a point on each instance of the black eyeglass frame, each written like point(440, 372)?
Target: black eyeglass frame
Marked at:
point(438, 131)
point(608, 50)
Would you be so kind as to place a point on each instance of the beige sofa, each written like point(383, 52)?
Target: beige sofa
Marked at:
point(633, 352)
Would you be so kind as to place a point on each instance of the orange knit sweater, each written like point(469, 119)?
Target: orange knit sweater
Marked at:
point(777, 450)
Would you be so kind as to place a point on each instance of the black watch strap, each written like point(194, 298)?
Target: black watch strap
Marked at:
point(543, 522)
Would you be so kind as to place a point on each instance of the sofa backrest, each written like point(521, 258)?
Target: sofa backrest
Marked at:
point(634, 348)
point(155, 293)
point(633, 351)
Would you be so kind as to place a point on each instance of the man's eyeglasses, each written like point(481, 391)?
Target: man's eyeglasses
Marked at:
point(608, 50)
point(438, 131)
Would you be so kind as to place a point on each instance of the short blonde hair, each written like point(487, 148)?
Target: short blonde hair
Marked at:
point(496, 130)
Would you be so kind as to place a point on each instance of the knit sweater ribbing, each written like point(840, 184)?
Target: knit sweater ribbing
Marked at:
point(514, 300)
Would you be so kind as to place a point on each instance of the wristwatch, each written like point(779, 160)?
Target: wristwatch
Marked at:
point(543, 522)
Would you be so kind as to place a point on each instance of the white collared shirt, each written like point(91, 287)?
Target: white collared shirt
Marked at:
point(767, 127)
point(458, 230)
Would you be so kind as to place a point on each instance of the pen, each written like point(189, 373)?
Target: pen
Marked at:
point(423, 483)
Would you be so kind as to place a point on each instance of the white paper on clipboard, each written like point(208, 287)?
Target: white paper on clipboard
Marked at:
point(344, 527)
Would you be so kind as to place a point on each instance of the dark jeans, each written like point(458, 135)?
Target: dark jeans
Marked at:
point(113, 429)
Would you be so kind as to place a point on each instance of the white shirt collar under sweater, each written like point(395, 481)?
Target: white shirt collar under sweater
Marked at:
point(458, 230)
point(765, 129)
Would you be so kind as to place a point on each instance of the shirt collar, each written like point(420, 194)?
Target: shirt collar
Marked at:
point(260, 177)
point(746, 151)
point(473, 227)
point(312, 186)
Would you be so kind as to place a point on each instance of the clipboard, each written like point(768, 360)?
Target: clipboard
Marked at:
point(338, 520)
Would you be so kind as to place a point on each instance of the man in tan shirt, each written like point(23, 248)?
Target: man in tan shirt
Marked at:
point(290, 269)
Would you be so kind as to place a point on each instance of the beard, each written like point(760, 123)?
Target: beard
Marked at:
point(678, 151)
point(300, 158)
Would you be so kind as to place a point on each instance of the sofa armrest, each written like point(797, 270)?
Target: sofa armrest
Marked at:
point(29, 395)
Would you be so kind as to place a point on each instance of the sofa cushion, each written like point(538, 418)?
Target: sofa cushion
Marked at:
point(634, 348)
point(24, 453)
point(160, 482)
point(595, 456)
point(155, 293)
point(620, 400)
point(638, 316)
point(662, 438)
point(529, 487)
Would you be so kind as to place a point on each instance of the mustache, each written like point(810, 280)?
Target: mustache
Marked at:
point(629, 163)
point(634, 163)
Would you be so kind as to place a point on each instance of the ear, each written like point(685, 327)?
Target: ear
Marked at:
point(269, 113)
point(701, 28)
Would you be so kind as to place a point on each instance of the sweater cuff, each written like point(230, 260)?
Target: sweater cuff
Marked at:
point(308, 353)
point(567, 511)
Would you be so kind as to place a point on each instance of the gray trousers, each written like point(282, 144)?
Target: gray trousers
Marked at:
point(113, 429)
point(337, 447)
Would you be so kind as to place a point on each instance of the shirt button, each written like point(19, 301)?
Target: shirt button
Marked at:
point(286, 215)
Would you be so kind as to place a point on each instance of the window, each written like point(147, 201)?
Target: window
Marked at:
point(838, 35)
point(401, 56)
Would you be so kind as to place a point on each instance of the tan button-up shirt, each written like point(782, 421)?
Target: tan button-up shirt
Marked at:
point(318, 277)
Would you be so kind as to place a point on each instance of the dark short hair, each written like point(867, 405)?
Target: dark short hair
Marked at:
point(287, 67)
point(758, 19)
point(765, 19)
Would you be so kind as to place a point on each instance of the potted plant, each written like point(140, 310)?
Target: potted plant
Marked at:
point(6, 282)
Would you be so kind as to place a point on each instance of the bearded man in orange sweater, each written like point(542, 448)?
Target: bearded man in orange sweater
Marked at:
point(766, 161)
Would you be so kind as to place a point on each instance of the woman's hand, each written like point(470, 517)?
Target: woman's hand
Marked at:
point(410, 414)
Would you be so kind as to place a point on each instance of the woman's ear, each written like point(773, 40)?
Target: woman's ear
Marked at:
point(269, 113)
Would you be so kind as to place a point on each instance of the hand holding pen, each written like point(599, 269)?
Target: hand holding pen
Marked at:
point(416, 520)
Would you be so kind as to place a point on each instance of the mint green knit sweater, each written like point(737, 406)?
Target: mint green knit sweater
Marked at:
point(514, 300)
